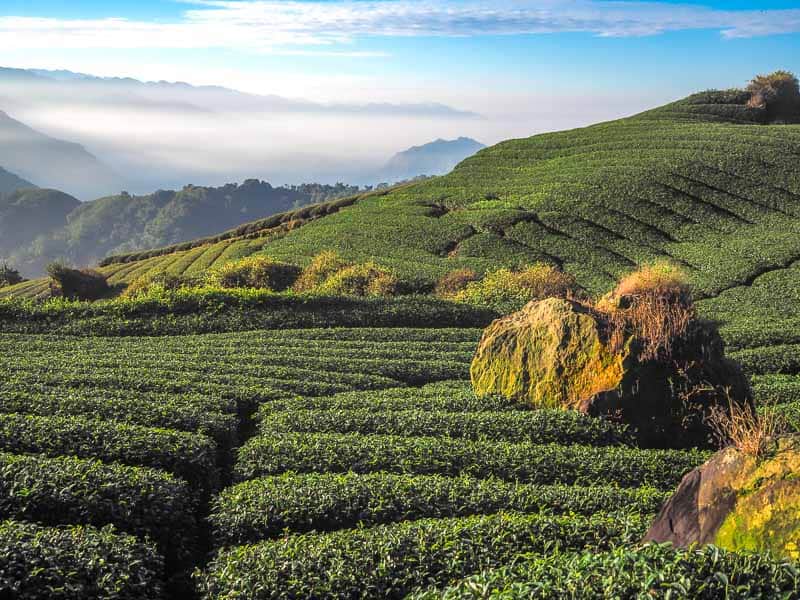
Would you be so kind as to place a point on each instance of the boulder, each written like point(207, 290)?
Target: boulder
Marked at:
point(738, 502)
point(550, 354)
point(554, 354)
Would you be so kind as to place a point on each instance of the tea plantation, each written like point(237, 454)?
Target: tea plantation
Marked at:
point(321, 463)
point(257, 446)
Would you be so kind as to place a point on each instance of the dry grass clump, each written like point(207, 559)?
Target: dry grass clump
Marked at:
point(321, 267)
point(453, 282)
point(740, 426)
point(254, 272)
point(653, 305)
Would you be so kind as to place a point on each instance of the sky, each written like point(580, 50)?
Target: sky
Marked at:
point(524, 66)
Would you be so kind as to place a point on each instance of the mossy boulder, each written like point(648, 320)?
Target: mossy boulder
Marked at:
point(738, 502)
point(554, 354)
point(550, 354)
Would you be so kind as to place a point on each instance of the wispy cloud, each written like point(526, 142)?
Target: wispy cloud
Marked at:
point(326, 27)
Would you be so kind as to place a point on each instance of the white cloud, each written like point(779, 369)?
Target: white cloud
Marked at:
point(325, 27)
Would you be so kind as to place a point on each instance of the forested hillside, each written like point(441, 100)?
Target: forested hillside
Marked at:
point(43, 225)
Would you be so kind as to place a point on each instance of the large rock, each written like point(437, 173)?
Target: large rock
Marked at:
point(553, 353)
point(738, 502)
point(550, 354)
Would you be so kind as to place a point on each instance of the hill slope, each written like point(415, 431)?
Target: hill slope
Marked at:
point(10, 183)
point(53, 163)
point(700, 181)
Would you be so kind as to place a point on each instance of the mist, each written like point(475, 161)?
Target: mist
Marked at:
point(166, 135)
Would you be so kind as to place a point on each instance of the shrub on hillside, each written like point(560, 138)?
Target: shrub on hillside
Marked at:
point(778, 93)
point(366, 279)
point(255, 272)
point(76, 284)
point(508, 290)
point(160, 281)
point(453, 282)
point(322, 266)
point(9, 276)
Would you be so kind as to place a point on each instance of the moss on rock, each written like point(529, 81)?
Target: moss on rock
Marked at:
point(550, 354)
point(738, 502)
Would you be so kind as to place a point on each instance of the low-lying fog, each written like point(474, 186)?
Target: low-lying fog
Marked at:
point(167, 135)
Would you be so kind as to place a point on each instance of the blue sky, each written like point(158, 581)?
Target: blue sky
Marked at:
point(526, 65)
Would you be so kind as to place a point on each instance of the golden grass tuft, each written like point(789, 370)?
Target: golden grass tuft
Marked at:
point(743, 428)
point(654, 305)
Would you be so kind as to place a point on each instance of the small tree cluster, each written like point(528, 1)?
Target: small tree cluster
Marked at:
point(159, 281)
point(9, 276)
point(77, 284)
point(778, 93)
point(255, 272)
point(329, 274)
point(507, 290)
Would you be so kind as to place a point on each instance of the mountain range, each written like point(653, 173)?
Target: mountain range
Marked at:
point(53, 163)
point(435, 158)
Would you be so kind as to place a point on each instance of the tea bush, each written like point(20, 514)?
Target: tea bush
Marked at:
point(75, 563)
point(658, 572)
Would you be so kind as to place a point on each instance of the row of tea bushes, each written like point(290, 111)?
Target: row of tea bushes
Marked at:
point(657, 572)
point(541, 426)
point(389, 561)
point(532, 463)
point(267, 507)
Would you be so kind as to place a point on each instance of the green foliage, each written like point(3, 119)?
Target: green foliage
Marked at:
point(66, 490)
point(388, 561)
point(505, 290)
point(364, 280)
point(191, 456)
point(540, 426)
point(531, 463)
point(212, 310)
point(75, 284)
point(155, 283)
point(658, 572)
point(264, 508)
point(76, 563)
point(254, 272)
point(9, 276)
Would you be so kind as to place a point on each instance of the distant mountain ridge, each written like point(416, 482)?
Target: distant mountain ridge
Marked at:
point(10, 183)
point(203, 97)
point(435, 158)
point(40, 225)
point(53, 163)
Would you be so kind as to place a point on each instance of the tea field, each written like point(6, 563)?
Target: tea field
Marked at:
point(325, 463)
